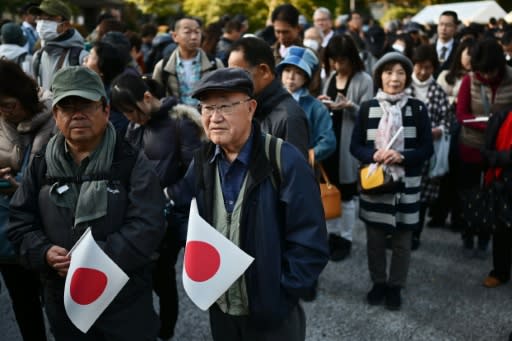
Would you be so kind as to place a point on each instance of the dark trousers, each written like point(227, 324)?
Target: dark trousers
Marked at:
point(501, 253)
point(400, 257)
point(164, 284)
point(24, 289)
point(237, 328)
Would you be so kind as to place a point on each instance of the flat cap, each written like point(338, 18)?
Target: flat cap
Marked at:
point(225, 79)
point(77, 81)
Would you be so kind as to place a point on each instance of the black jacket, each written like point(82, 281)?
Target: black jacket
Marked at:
point(280, 115)
point(129, 233)
point(169, 139)
point(284, 230)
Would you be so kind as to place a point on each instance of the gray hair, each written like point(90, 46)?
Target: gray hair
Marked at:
point(322, 10)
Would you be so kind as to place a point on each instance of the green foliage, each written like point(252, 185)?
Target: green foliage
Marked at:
point(11, 6)
point(398, 12)
point(159, 8)
point(258, 11)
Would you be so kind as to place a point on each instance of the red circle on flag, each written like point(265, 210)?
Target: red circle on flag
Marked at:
point(202, 261)
point(87, 285)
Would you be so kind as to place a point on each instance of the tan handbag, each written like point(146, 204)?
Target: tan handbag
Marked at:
point(331, 196)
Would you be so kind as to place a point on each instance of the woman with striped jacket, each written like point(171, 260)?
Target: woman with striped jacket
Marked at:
point(392, 117)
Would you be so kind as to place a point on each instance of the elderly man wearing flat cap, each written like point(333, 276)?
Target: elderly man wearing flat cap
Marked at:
point(259, 192)
point(62, 44)
point(89, 177)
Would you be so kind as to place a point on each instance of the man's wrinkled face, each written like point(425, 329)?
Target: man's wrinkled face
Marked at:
point(227, 117)
point(81, 121)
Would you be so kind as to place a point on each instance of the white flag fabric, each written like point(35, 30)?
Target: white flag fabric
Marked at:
point(212, 262)
point(92, 282)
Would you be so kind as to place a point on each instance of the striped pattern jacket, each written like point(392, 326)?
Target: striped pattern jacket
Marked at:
point(399, 209)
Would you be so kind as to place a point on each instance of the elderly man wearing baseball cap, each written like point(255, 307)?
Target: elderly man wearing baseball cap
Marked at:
point(62, 44)
point(88, 177)
point(259, 192)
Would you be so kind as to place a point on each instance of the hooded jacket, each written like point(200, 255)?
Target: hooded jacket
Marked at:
point(17, 54)
point(51, 53)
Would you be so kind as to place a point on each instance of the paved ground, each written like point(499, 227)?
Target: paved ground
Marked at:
point(444, 300)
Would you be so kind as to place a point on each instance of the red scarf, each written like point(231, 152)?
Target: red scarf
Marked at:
point(503, 142)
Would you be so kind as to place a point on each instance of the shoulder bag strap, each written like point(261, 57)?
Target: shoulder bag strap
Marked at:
point(485, 100)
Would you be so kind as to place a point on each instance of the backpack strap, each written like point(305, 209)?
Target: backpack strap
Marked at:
point(74, 55)
point(36, 64)
point(273, 153)
point(21, 58)
point(165, 73)
point(125, 157)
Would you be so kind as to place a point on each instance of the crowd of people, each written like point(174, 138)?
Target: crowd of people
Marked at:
point(119, 130)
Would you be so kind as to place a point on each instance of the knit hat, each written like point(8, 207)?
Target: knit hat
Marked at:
point(12, 34)
point(301, 57)
point(392, 57)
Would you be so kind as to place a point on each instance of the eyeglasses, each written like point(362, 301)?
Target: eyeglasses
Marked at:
point(84, 108)
point(224, 109)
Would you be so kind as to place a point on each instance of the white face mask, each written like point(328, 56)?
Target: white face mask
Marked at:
point(312, 44)
point(398, 47)
point(47, 29)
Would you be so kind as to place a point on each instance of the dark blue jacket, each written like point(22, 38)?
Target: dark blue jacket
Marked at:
point(283, 230)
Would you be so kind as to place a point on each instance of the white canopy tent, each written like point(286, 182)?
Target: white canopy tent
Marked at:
point(473, 11)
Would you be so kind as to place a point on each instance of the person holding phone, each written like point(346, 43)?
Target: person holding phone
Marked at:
point(346, 87)
point(26, 125)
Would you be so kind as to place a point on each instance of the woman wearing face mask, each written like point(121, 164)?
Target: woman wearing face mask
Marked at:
point(168, 134)
point(425, 88)
point(346, 87)
point(62, 44)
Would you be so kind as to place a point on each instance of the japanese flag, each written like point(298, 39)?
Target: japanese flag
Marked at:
point(92, 282)
point(212, 262)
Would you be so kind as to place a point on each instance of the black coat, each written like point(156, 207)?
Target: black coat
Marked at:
point(281, 116)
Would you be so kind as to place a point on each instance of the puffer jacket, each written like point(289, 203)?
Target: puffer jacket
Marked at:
point(34, 131)
point(169, 139)
point(284, 230)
